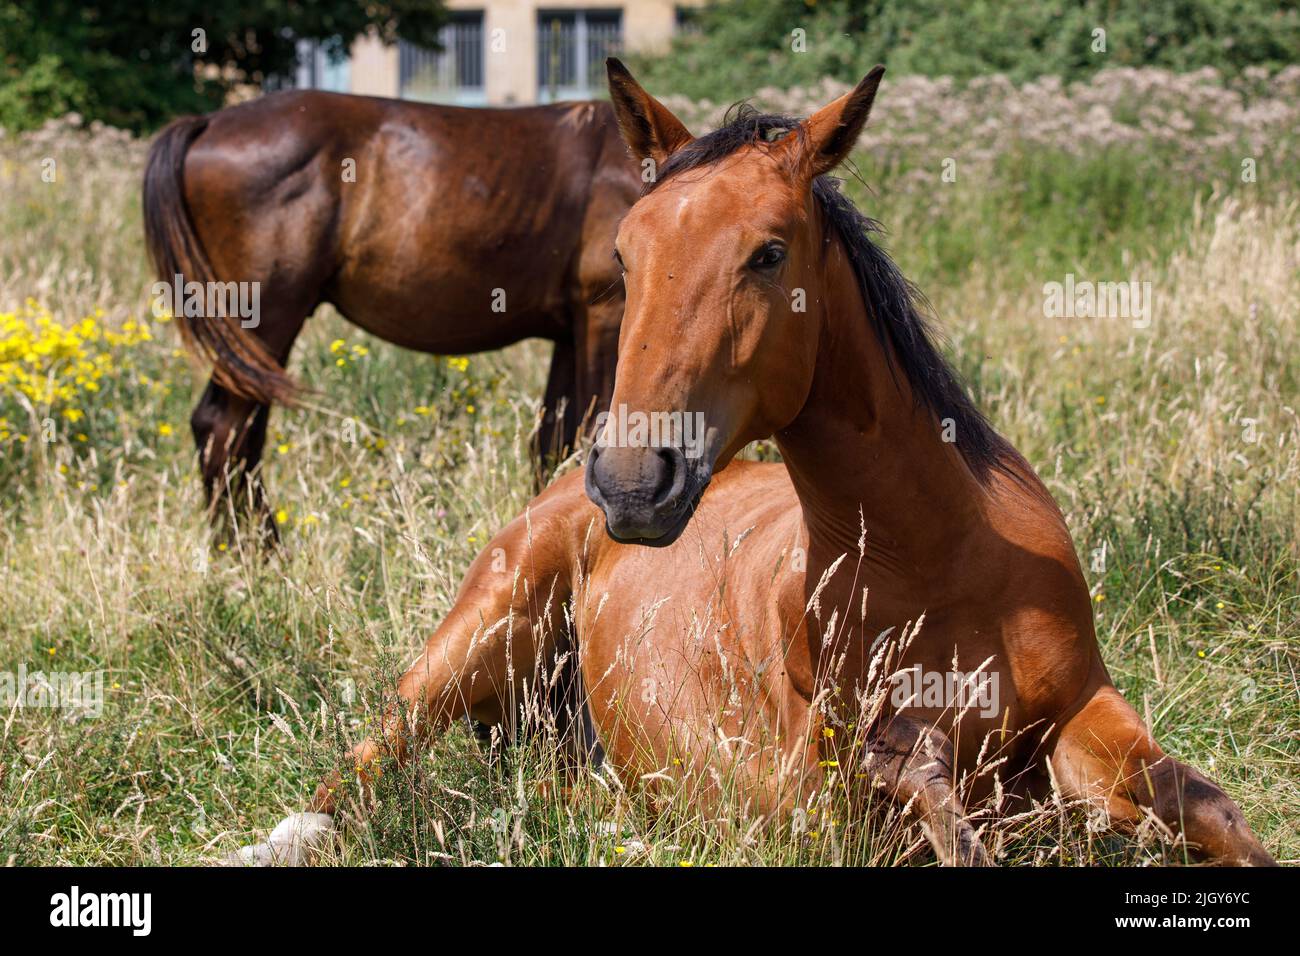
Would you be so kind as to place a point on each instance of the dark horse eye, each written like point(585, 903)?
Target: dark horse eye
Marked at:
point(619, 259)
point(770, 256)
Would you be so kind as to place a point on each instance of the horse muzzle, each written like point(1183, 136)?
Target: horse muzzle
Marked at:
point(647, 494)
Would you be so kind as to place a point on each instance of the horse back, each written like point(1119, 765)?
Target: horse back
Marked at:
point(386, 207)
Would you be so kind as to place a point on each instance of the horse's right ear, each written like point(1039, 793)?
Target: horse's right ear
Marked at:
point(648, 127)
point(831, 132)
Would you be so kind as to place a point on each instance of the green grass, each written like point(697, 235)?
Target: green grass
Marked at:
point(235, 678)
point(1093, 215)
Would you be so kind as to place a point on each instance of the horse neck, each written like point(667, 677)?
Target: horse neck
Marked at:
point(861, 453)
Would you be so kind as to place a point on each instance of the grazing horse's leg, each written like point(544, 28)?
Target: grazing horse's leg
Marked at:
point(559, 428)
point(915, 762)
point(1106, 755)
point(580, 383)
point(230, 432)
point(597, 356)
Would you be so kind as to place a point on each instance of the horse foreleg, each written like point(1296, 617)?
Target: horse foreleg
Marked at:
point(493, 644)
point(1104, 754)
point(597, 355)
point(915, 763)
point(494, 647)
point(557, 433)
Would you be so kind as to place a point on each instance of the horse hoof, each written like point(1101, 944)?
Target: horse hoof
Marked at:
point(295, 841)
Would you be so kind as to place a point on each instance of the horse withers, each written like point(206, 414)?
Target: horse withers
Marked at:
point(731, 617)
point(437, 228)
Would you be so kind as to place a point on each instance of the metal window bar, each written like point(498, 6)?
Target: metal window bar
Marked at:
point(314, 70)
point(687, 21)
point(452, 74)
point(571, 51)
point(604, 38)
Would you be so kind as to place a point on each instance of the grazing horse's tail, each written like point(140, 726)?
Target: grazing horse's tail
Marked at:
point(240, 361)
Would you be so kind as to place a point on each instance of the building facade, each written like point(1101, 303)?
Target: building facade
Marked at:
point(504, 52)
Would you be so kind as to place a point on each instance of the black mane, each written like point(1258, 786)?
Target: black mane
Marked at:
point(896, 307)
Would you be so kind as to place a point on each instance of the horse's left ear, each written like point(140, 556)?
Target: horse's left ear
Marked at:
point(649, 128)
point(829, 134)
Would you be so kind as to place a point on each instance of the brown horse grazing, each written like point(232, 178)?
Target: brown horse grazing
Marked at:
point(744, 635)
point(440, 229)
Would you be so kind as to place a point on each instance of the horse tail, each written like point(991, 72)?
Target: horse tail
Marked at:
point(240, 362)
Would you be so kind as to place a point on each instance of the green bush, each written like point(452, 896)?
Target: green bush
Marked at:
point(135, 65)
point(742, 45)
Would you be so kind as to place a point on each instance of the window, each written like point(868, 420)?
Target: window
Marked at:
point(571, 50)
point(453, 74)
point(319, 69)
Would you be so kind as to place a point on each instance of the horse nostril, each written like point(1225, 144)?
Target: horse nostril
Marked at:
point(672, 478)
point(593, 481)
point(637, 488)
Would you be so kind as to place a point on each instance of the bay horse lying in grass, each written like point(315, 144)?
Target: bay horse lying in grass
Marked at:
point(440, 229)
point(729, 612)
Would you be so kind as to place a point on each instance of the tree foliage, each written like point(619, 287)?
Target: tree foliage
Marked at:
point(135, 63)
point(742, 45)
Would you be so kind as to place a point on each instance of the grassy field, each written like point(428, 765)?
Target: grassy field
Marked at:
point(233, 678)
